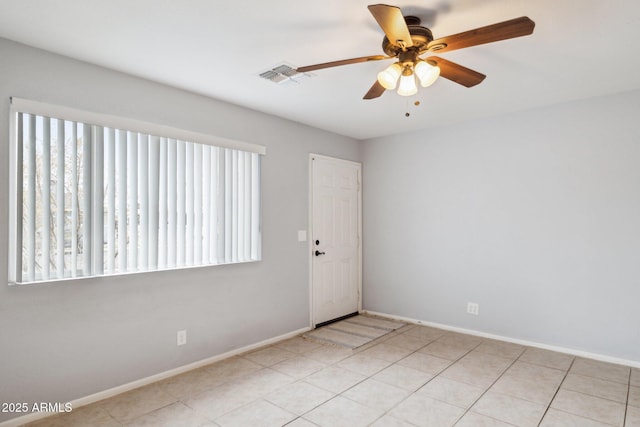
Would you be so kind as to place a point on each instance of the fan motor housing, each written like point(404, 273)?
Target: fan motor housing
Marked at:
point(420, 37)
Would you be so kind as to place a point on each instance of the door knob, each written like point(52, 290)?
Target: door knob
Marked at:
point(318, 253)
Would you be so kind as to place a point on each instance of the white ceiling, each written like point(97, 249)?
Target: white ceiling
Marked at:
point(579, 49)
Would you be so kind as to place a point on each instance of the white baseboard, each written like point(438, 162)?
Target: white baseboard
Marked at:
point(571, 351)
point(83, 401)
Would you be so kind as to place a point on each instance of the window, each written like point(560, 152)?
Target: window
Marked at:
point(94, 199)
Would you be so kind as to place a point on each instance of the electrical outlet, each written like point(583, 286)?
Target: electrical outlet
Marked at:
point(473, 308)
point(182, 337)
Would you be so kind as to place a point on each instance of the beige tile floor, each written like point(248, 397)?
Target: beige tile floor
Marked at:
point(415, 376)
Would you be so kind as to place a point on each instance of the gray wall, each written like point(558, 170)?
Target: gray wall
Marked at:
point(534, 215)
point(62, 341)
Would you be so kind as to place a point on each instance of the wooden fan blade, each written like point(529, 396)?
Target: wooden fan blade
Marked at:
point(341, 62)
point(376, 90)
point(392, 23)
point(518, 27)
point(456, 73)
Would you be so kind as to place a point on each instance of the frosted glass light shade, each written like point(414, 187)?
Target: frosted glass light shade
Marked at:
point(427, 73)
point(388, 78)
point(407, 86)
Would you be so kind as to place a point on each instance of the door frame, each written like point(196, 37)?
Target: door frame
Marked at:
point(311, 231)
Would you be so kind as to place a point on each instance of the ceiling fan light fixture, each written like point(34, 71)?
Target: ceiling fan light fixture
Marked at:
point(427, 73)
point(406, 39)
point(407, 86)
point(388, 78)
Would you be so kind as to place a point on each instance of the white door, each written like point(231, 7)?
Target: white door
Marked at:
point(335, 238)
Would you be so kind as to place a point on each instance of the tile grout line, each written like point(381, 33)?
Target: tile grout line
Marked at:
point(489, 387)
point(586, 394)
point(122, 423)
point(626, 407)
point(589, 394)
point(557, 390)
point(393, 363)
point(594, 395)
point(444, 369)
point(356, 351)
point(402, 358)
point(319, 404)
point(466, 410)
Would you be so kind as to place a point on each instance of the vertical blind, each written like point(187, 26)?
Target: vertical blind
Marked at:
point(95, 200)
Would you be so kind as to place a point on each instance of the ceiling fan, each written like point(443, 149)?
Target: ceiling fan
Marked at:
point(405, 39)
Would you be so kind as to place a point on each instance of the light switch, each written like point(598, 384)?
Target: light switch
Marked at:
point(302, 235)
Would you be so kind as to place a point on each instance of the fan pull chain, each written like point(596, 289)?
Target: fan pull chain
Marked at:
point(416, 103)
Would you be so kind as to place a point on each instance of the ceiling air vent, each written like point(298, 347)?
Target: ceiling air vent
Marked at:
point(284, 74)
